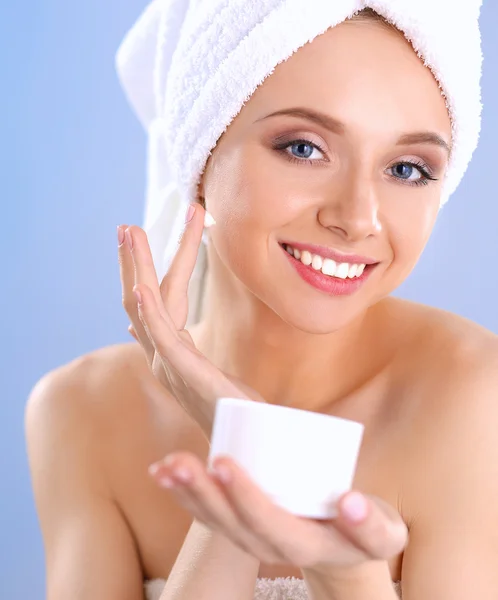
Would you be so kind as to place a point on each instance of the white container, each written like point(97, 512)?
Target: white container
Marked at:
point(304, 461)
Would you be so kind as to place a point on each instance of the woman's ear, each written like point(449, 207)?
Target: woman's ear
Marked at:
point(204, 179)
point(200, 196)
point(201, 200)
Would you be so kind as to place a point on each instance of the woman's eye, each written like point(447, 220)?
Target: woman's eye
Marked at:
point(413, 173)
point(303, 149)
point(407, 171)
point(300, 151)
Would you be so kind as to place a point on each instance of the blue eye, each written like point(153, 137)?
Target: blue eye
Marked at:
point(301, 151)
point(411, 172)
point(404, 171)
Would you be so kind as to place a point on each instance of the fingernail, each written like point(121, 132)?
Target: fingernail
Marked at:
point(154, 469)
point(222, 473)
point(190, 213)
point(129, 239)
point(121, 235)
point(182, 474)
point(169, 460)
point(164, 480)
point(138, 296)
point(209, 220)
point(355, 507)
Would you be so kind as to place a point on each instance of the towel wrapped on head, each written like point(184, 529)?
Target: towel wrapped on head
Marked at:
point(188, 67)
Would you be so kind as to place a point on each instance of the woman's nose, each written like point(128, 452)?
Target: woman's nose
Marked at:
point(352, 210)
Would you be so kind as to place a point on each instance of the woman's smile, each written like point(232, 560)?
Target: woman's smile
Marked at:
point(339, 277)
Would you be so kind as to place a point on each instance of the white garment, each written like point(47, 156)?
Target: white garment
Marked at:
point(288, 588)
point(188, 67)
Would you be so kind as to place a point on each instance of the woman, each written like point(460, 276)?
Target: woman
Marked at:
point(324, 188)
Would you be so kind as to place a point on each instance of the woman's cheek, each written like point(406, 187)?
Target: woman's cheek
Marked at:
point(408, 243)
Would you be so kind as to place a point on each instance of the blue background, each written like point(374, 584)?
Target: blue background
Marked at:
point(73, 168)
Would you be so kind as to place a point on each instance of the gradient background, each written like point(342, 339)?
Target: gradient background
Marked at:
point(73, 167)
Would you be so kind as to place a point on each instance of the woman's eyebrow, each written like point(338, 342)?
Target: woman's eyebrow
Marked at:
point(337, 127)
point(424, 137)
point(326, 121)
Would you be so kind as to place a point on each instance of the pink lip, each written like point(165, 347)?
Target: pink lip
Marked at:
point(329, 285)
point(325, 252)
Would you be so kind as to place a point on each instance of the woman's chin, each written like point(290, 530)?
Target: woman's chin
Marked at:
point(316, 321)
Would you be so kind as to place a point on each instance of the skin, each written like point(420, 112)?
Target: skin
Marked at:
point(421, 380)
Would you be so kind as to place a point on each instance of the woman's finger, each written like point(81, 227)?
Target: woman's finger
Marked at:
point(159, 327)
point(285, 534)
point(127, 273)
point(194, 368)
point(177, 356)
point(143, 264)
point(175, 484)
point(202, 495)
point(133, 333)
point(381, 533)
point(174, 286)
point(299, 541)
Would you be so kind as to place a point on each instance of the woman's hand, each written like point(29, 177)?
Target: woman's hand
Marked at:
point(158, 315)
point(227, 501)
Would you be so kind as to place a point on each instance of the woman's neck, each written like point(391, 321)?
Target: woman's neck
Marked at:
point(287, 366)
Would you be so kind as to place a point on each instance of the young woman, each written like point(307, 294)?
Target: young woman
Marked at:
point(324, 188)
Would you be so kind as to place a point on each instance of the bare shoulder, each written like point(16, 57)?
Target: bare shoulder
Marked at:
point(448, 361)
point(450, 374)
point(73, 400)
point(463, 382)
point(74, 420)
point(113, 419)
point(443, 343)
point(450, 467)
point(112, 392)
point(111, 401)
point(102, 374)
point(460, 360)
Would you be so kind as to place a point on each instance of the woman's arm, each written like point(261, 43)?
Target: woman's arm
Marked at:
point(89, 550)
point(210, 567)
point(371, 581)
point(452, 550)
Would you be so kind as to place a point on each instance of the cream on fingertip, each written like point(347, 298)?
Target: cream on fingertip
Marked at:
point(209, 220)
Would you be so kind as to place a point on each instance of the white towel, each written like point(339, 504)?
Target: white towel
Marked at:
point(188, 66)
point(282, 588)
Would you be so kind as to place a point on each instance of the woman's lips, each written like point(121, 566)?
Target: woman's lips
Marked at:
point(333, 286)
point(325, 252)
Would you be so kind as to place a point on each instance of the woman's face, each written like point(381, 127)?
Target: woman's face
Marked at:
point(354, 163)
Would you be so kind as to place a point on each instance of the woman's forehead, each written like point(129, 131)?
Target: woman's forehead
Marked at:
point(356, 72)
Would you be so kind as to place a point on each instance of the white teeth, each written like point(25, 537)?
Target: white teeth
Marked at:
point(317, 262)
point(326, 265)
point(352, 271)
point(306, 258)
point(342, 271)
point(329, 267)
